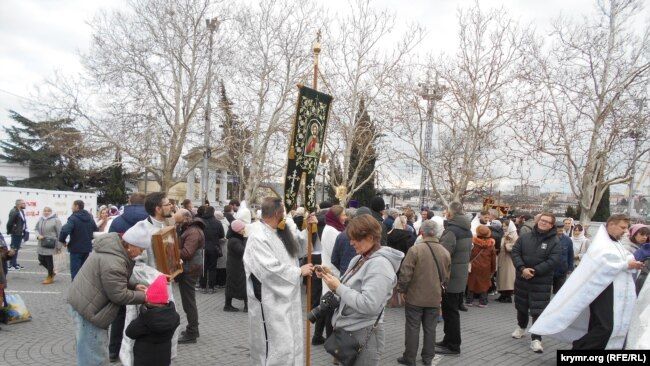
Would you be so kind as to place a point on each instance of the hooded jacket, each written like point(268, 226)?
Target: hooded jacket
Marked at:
point(457, 239)
point(131, 215)
point(364, 294)
point(101, 285)
point(213, 235)
point(80, 227)
point(152, 331)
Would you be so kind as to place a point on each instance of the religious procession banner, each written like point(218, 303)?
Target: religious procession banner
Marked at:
point(305, 146)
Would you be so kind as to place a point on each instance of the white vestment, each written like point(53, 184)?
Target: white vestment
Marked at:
point(566, 317)
point(276, 331)
point(144, 272)
point(639, 335)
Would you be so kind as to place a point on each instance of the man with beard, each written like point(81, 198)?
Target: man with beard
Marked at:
point(16, 227)
point(535, 256)
point(273, 281)
point(594, 308)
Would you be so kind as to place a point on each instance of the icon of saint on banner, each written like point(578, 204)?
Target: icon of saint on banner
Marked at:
point(313, 145)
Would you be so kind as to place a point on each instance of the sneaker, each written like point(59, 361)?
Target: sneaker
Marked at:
point(493, 293)
point(518, 333)
point(11, 269)
point(469, 303)
point(482, 305)
point(536, 346)
point(19, 267)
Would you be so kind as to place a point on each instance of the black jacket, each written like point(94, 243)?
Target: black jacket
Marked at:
point(541, 252)
point(236, 279)
point(152, 331)
point(80, 227)
point(401, 240)
point(213, 234)
point(497, 235)
point(15, 223)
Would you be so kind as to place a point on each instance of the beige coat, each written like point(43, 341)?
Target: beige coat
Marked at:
point(418, 275)
point(506, 272)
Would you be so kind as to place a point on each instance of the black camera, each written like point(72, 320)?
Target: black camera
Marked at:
point(328, 303)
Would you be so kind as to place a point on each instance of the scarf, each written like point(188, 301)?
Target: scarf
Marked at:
point(332, 220)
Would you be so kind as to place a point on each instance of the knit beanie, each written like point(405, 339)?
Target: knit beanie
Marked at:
point(377, 204)
point(238, 226)
point(483, 231)
point(634, 228)
point(157, 293)
point(138, 235)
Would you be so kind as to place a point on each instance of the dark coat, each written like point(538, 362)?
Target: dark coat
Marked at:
point(343, 252)
point(457, 239)
point(236, 279)
point(191, 248)
point(131, 215)
point(541, 252)
point(213, 234)
point(229, 216)
point(497, 235)
point(401, 240)
point(15, 223)
point(152, 331)
point(80, 227)
point(566, 259)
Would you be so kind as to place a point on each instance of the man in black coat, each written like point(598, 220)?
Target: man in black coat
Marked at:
point(535, 256)
point(457, 239)
point(16, 228)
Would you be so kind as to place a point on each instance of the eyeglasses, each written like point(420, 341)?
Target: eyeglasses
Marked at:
point(546, 221)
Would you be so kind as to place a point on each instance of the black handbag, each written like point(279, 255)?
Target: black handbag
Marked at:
point(48, 243)
point(344, 347)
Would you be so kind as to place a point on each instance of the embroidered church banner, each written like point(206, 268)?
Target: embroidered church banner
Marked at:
point(305, 146)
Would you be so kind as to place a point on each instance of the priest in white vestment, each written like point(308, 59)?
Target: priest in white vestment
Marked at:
point(594, 307)
point(273, 280)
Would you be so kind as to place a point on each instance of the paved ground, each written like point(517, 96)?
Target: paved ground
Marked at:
point(49, 338)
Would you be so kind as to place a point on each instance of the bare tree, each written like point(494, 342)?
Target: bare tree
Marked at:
point(356, 67)
point(272, 57)
point(146, 72)
point(472, 114)
point(587, 122)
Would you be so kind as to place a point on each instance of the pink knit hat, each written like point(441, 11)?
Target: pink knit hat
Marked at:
point(634, 228)
point(157, 292)
point(237, 226)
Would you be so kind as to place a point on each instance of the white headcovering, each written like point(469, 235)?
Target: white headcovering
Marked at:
point(138, 235)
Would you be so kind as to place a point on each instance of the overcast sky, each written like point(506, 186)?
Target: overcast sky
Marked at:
point(38, 37)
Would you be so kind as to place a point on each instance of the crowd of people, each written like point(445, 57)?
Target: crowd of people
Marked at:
point(362, 259)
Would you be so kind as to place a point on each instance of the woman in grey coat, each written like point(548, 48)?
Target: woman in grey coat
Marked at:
point(47, 229)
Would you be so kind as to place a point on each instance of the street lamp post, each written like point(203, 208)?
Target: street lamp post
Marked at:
point(213, 25)
point(431, 93)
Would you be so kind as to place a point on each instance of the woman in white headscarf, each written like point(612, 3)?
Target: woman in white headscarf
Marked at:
point(580, 243)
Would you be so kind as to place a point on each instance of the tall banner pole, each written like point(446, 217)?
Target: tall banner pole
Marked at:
point(311, 228)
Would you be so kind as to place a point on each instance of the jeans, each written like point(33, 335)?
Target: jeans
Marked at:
point(16, 241)
point(450, 303)
point(188, 299)
point(92, 342)
point(76, 261)
point(416, 315)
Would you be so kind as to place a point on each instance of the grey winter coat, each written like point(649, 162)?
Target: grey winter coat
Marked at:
point(102, 284)
point(49, 228)
point(457, 239)
point(365, 293)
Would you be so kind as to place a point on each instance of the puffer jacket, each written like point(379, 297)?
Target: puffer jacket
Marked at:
point(131, 215)
point(457, 239)
point(48, 228)
point(542, 252)
point(152, 331)
point(80, 227)
point(102, 284)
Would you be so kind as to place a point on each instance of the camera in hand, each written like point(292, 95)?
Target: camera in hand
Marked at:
point(328, 303)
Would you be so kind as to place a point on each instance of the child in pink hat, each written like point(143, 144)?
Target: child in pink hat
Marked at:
point(154, 328)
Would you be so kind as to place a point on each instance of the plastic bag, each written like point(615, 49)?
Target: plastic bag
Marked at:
point(16, 310)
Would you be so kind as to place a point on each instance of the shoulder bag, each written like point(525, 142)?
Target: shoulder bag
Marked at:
point(46, 242)
point(443, 284)
point(341, 343)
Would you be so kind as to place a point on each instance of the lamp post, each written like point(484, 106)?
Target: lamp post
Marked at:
point(635, 136)
point(431, 93)
point(213, 25)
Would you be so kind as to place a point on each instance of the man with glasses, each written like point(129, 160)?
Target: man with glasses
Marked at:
point(535, 256)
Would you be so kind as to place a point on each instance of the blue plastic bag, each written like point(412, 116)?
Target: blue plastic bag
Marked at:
point(16, 310)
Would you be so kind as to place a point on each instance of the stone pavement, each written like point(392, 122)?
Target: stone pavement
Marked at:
point(49, 338)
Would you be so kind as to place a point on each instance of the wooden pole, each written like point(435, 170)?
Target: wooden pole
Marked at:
point(311, 228)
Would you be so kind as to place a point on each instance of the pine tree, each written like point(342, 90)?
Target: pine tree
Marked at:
point(52, 149)
point(602, 211)
point(364, 148)
point(571, 212)
point(236, 140)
